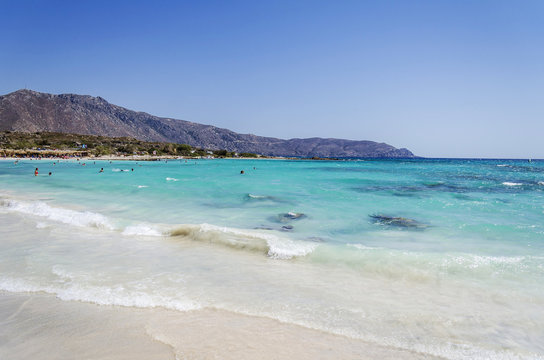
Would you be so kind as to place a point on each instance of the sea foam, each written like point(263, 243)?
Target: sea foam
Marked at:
point(251, 196)
point(508, 183)
point(66, 216)
point(101, 295)
point(141, 230)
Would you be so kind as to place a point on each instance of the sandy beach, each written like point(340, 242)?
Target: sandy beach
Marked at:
point(49, 328)
point(135, 158)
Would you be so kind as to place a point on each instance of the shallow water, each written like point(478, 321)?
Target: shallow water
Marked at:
point(294, 241)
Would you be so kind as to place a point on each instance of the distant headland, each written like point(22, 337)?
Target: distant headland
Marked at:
point(30, 112)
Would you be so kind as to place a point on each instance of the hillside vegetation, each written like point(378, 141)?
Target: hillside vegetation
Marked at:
point(92, 145)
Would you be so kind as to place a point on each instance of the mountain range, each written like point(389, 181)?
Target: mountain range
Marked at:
point(32, 111)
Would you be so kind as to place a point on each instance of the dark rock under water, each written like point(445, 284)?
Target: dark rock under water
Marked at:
point(283, 228)
point(397, 221)
point(285, 217)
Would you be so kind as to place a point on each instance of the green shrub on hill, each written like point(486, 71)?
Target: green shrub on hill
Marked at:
point(249, 155)
point(102, 145)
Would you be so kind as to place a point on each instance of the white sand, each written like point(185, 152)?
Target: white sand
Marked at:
point(36, 326)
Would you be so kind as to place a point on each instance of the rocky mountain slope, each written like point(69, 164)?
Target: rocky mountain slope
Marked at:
point(31, 111)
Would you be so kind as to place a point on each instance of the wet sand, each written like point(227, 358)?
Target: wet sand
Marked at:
point(40, 326)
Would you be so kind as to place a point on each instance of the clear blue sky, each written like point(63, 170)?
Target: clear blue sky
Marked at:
point(442, 78)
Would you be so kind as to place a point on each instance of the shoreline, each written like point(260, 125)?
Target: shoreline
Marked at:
point(162, 157)
point(50, 328)
point(141, 158)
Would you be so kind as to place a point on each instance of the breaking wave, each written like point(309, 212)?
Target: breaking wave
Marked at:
point(141, 230)
point(273, 245)
point(66, 216)
point(508, 183)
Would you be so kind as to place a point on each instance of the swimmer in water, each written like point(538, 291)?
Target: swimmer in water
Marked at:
point(36, 172)
point(242, 172)
point(50, 173)
point(101, 170)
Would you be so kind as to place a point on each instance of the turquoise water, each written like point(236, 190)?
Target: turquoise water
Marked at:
point(444, 257)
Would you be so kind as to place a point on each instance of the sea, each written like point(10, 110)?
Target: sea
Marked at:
point(439, 257)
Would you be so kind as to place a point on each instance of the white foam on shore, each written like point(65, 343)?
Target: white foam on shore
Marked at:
point(474, 261)
point(101, 295)
point(41, 225)
point(61, 273)
point(450, 350)
point(141, 230)
point(423, 267)
point(363, 247)
point(66, 216)
point(508, 183)
point(120, 296)
point(274, 246)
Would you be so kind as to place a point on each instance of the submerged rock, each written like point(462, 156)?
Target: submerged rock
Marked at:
point(397, 221)
point(292, 216)
point(287, 217)
point(263, 228)
point(283, 228)
point(316, 239)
